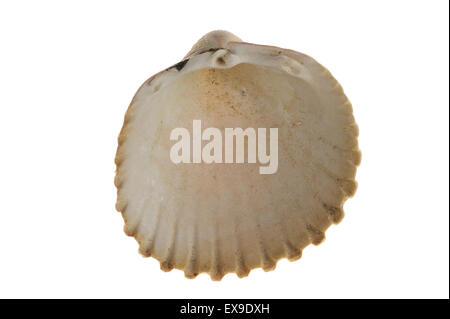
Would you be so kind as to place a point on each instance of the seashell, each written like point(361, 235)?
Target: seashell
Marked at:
point(224, 217)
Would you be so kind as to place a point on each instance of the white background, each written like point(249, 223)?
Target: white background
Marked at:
point(68, 71)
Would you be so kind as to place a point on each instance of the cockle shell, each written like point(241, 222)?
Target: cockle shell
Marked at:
point(223, 218)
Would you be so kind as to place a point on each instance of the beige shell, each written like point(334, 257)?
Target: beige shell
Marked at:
point(224, 218)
